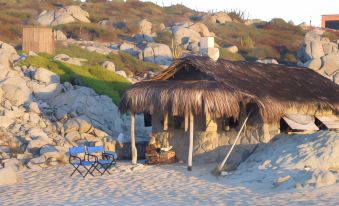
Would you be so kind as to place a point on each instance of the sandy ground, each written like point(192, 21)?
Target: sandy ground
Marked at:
point(156, 185)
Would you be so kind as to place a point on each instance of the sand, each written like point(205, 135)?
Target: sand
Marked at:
point(254, 183)
point(155, 185)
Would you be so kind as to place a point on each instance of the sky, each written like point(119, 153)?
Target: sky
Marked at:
point(296, 10)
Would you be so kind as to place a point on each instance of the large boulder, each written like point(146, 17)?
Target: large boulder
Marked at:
point(8, 176)
point(314, 64)
point(78, 13)
point(65, 15)
point(121, 73)
point(34, 107)
point(82, 124)
point(201, 28)
point(232, 49)
point(59, 36)
point(158, 54)
point(330, 64)
point(47, 92)
point(317, 49)
point(35, 145)
point(184, 36)
point(221, 18)
point(99, 109)
point(46, 76)
point(145, 27)
point(130, 49)
point(5, 121)
point(46, 17)
point(67, 59)
point(194, 47)
point(39, 139)
point(179, 25)
point(7, 54)
point(73, 136)
point(324, 178)
point(109, 66)
point(63, 18)
point(15, 90)
point(336, 78)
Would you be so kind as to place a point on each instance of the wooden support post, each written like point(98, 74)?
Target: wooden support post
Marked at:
point(134, 148)
point(222, 164)
point(186, 121)
point(190, 149)
point(165, 121)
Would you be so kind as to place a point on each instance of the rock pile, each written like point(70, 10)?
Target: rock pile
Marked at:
point(217, 18)
point(320, 54)
point(68, 14)
point(40, 118)
point(188, 35)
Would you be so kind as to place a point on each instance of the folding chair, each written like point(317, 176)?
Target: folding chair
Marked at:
point(107, 160)
point(76, 161)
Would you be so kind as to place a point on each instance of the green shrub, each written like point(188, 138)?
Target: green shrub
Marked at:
point(290, 57)
point(225, 54)
point(101, 80)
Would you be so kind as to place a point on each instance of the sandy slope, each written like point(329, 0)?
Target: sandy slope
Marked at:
point(156, 185)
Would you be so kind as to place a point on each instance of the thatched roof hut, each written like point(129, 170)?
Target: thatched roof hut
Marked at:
point(219, 95)
point(201, 84)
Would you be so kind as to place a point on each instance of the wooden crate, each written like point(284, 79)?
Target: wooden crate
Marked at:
point(38, 39)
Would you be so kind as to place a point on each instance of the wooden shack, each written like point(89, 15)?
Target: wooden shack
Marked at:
point(38, 39)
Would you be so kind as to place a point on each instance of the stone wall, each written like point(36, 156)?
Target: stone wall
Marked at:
point(212, 145)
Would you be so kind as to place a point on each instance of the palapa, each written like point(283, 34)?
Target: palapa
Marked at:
point(218, 87)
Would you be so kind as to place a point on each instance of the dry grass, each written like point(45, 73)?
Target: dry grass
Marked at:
point(272, 40)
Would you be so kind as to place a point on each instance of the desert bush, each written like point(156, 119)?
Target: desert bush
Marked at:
point(278, 23)
point(246, 42)
point(164, 37)
point(88, 31)
point(331, 35)
point(177, 9)
point(264, 52)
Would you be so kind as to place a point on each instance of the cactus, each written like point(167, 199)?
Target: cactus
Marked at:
point(176, 50)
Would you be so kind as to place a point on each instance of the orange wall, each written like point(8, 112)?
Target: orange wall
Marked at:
point(328, 18)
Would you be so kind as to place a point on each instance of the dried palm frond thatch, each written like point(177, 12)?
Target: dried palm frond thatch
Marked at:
point(274, 88)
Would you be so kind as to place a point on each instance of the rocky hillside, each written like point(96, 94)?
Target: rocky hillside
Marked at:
point(145, 25)
point(40, 117)
point(320, 53)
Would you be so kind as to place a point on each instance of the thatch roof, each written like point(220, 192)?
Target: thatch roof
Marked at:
point(274, 88)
